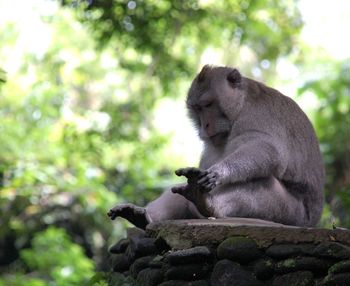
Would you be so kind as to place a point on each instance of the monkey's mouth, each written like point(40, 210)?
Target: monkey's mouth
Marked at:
point(218, 138)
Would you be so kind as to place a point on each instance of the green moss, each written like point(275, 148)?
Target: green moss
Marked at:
point(289, 263)
point(342, 266)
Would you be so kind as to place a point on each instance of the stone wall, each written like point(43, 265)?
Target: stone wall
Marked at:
point(231, 252)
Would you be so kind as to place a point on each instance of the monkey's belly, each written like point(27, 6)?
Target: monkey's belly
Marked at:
point(263, 198)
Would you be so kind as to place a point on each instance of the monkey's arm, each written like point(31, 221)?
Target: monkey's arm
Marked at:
point(257, 158)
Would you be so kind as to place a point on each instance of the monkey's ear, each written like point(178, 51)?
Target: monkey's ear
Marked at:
point(203, 73)
point(234, 78)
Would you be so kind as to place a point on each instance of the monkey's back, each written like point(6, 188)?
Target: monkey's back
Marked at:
point(282, 118)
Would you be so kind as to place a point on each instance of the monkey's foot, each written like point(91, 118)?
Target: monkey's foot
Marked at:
point(136, 215)
point(181, 190)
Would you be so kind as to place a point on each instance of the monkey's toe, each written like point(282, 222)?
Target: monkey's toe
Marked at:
point(111, 214)
point(188, 172)
point(179, 189)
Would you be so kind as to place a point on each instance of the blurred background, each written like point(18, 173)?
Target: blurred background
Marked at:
point(92, 111)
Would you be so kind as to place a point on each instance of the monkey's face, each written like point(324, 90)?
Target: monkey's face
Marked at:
point(212, 124)
point(214, 101)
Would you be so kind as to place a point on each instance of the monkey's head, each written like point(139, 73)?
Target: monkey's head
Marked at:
point(214, 101)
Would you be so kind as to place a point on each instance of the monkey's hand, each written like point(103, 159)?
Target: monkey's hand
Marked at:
point(136, 215)
point(208, 180)
point(197, 180)
point(192, 174)
point(193, 191)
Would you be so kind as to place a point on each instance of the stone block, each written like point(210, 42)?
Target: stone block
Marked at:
point(299, 278)
point(332, 250)
point(263, 268)
point(228, 273)
point(190, 255)
point(149, 277)
point(239, 248)
point(140, 264)
point(119, 247)
point(281, 251)
point(187, 271)
point(314, 264)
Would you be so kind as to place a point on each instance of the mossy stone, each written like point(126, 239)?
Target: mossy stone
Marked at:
point(314, 264)
point(239, 248)
point(299, 278)
point(263, 268)
point(340, 267)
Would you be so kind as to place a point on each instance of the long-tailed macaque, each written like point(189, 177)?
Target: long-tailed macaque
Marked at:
point(261, 158)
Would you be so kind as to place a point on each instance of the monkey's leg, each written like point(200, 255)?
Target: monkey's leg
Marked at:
point(136, 215)
point(167, 207)
point(264, 199)
point(172, 206)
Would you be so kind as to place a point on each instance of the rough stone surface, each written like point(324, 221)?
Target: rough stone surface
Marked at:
point(120, 263)
point(340, 267)
point(332, 250)
point(182, 234)
point(280, 251)
point(227, 273)
point(239, 248)
point(156, 262)
point(140, 247)
point(191, 255)
point(134, 232)
point(117, 279)
point(119, 247)
point(184, 283)
point(342, 279)
point(263, 268)
point(187, 272)
point(227, 252)
point(149, 277)
point(140, 264)
point(299, 278)
point(314, 264)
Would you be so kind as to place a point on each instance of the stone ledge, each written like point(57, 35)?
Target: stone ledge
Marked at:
point(235, 251)
point(182, 234)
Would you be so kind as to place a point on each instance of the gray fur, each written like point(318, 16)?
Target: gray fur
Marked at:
point(261, 157)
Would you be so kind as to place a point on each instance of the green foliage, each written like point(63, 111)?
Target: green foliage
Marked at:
point(332, 122)
point(167, 38)
point(53, 254)
point(77, 133)
point(53, 259)
point(99, 279)
point(21, 280)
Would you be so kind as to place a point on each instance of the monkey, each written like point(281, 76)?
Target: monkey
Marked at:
point(261, 157)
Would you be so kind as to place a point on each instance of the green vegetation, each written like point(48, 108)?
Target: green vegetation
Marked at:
point(79, 85)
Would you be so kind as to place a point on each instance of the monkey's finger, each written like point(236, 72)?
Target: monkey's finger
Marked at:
point(202, 181)
point(112, 215)
point(212, 183)
point(180, 172)
point(179, 189)
point(211, 175)
point(207, 185)
point(192, 171)
point(203, 174)
point(186, 171)
point(206, 188)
